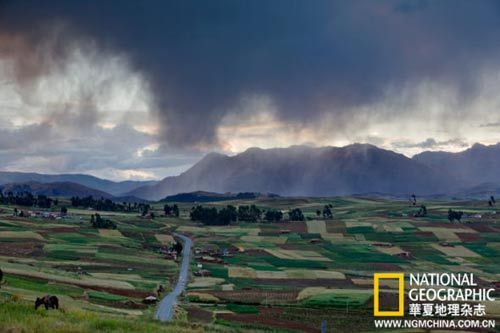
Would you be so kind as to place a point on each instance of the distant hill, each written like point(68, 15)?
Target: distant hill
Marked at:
point(201, 196)
point(58, 189)
point(114, 188)
point(482, 191)
point(474, 166)
point(296, 171)
point(305, 171)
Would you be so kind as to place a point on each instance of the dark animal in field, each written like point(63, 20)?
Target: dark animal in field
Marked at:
point(48, 301)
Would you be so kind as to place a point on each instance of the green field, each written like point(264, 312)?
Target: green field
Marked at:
point(292, 275)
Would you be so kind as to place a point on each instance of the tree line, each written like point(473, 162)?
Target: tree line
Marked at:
point(109, 205)
point(27, 199)
point(228, 214)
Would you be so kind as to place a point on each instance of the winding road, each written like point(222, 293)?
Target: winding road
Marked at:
point(166, 309)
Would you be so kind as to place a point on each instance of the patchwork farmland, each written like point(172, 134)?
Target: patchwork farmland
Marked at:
point(270, 276)
point(295, 275)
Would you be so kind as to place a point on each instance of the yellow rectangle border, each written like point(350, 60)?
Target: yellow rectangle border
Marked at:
point(401, 279)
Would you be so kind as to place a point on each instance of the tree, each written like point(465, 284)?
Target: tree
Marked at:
point(422, 212)
point(167, 210)
point(233, 212)
point(255, 213)
point(226, 215)
point(177, 247)
point(454, 215)
point(413, 200)
point(451, 215)
point(273, 215)
point(100, 223)
point(144, 209)
point(249, 213)
point(175, 210)
point(171, 210)
point(296, 215)
point(196, 213)
point(327, 212)
point(318, 212)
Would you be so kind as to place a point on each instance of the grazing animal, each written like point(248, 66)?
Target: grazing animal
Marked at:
point(48, 301)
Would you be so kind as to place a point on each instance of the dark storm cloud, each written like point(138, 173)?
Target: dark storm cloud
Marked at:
point(310, 57)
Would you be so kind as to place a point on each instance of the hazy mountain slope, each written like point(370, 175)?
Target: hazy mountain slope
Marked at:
point(114, 188)
point(481, 191)
point(298, 171)
point(471, 167)
point(58, 189)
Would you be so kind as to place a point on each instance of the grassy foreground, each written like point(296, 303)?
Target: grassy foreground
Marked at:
point(19, 316)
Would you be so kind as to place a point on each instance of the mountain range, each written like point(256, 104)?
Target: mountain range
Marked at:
point(57, 189)
point(326, 171)
point(308, 171)
point(476, 165)
point(110, 187)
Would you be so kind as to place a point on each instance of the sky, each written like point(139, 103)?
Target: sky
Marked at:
point(143, 89)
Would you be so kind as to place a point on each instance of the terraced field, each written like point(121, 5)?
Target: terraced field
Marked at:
point(294, 275)
point(249, 276)
point(71, 252)
point(101, 275)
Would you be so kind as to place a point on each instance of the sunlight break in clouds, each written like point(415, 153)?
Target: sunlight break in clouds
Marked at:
point(85, 82)
point(69, 116)
point(410, 119)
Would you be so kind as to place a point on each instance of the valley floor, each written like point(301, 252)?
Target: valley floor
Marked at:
point(283, 276)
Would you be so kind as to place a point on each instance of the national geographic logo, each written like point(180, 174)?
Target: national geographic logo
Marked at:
point(401, 294)
point(435, 294)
